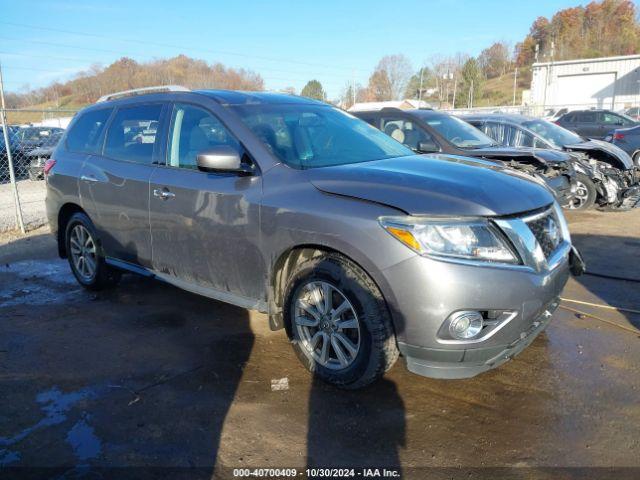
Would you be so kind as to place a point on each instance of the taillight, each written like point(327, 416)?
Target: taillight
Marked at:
point(48, 165)
point(618, 136)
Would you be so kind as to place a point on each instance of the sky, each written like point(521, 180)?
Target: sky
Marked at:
point(287, 42)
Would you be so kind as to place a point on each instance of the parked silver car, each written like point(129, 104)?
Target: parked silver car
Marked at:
point(360, 249)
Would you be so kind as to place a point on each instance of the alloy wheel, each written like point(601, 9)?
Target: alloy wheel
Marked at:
point(327, 325)
point(581, 196)
point(83, 252)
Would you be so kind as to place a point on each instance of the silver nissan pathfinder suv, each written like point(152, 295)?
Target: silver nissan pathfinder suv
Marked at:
point(360, 249)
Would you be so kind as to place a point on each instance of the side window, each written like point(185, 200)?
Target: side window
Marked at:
point(408, 133)
point(84, 135)
point(500, 132)
point(132, 133)
point(373, 121)
point(194, 130)
point(523, 139)
point(613, 119)
point(586, 117)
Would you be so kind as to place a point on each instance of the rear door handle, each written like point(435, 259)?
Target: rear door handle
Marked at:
point(163, 194)
point(88, 178)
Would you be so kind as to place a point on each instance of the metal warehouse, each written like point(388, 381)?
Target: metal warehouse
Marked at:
point(610, 82)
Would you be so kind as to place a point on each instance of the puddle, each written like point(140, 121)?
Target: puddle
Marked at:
point(83, 441)
point(37, 282)
point(55, 405)
point(7, 457)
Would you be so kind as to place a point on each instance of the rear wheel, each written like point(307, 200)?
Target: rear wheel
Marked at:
point(83, 253)
point(586, 194)
point(339, 322)
point(636, 159)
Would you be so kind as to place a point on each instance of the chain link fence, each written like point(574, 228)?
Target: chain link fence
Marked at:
point(32, 135)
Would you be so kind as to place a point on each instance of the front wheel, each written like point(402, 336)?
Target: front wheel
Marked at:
point(586, 194)
point(83, 253)
point(339, 322)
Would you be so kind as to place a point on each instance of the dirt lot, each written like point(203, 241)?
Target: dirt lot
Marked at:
point(149, 376)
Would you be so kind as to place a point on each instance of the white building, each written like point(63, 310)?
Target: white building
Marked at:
point(611, 82)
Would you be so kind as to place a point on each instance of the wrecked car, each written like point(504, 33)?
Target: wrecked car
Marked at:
point(355, 246)
point(606, 175)
point(429, 131)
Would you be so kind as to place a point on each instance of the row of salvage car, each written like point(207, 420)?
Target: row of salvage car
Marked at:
point(582, 173)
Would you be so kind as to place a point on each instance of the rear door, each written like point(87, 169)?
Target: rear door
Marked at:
point(205, 227)
point(586, 124)
point(116, 182)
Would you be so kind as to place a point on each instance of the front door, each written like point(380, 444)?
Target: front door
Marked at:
point(205, 226)
point(117, 182)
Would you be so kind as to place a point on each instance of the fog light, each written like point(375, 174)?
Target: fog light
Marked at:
point(464, 325)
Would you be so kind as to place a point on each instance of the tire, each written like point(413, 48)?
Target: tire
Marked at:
point(99, 277)
point(636, 159)
point(586, 195)
point(376, 345)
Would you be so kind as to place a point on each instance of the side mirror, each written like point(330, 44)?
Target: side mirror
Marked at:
point(428, 147)
point(222, 159)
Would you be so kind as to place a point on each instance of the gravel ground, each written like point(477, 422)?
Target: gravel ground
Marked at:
point(147, 376)
point(32, 196)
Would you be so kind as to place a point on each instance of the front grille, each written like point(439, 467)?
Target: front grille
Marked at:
point(546, 228)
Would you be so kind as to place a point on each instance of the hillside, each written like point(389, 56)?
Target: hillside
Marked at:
point(126, 73)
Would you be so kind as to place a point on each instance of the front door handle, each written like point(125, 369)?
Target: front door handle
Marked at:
point(88, 178)
point(163, 194)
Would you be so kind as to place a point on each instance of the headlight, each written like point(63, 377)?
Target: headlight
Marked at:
point(475, 239)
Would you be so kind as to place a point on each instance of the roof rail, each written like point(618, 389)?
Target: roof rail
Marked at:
point(143, 91)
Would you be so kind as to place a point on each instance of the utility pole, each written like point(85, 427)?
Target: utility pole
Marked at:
point(420, 91)
point(515, 83)
point(12, 176)
point(353, 86)
point(455, 87)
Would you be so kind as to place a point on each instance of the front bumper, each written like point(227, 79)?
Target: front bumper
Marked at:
point(471, 362)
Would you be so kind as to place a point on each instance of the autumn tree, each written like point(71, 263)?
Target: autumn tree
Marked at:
point(352, 92)
point(379, 87)
point(600, 29)
point(495, 60)
point(391, 76)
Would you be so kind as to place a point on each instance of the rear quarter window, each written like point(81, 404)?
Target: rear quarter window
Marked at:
point(85, 133)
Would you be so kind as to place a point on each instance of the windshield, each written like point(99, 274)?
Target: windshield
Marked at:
point(458, 132)
point(552, 133)
point(310, 136)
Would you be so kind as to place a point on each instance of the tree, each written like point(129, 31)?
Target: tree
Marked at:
point(495, 60)
point(397, 70)
point(423, 78)
point(601, 29)
point(471, 87)
point(379, 88)
point(347, 97)
point(313, 89)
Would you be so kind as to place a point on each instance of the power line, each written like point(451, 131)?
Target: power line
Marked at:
point(120, 53)
point(167, 45)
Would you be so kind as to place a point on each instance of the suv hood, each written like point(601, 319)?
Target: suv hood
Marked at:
point(439, 185)
point(535, 155)
point(612, 154)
